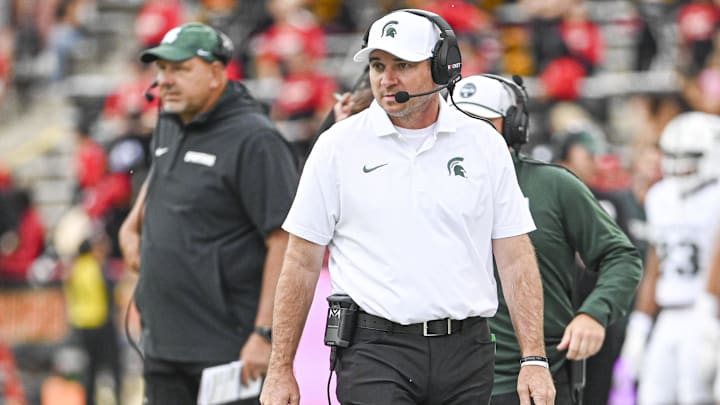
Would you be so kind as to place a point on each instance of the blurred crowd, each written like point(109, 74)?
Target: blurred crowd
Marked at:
point(294, 55)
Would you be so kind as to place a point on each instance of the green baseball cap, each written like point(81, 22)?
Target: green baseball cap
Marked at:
point(579, 137)
point(187, 41)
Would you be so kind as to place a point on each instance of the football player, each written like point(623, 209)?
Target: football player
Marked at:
point(683, 218)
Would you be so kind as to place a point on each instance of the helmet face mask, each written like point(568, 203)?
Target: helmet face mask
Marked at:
point(681, 164)
point(691, 147)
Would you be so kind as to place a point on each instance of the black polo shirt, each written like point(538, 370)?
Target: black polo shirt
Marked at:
point(218, 186)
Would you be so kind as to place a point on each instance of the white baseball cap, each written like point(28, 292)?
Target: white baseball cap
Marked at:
point(408, 36)
point(483, 96)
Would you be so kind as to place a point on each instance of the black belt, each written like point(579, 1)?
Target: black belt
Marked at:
point(438, 327)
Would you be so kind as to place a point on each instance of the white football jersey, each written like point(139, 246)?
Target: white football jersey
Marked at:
point(683, 230)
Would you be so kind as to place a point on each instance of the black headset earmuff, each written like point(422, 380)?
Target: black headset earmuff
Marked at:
point(446, 61)
point(515, 122)
point(224, 48)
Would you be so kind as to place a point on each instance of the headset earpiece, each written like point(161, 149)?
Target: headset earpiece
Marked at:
point(439, 75)
point(515, 123)
point(515, 126)
point(446, 61)
point(224, 48)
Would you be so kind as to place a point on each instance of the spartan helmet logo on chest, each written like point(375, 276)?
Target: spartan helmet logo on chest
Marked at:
point(389, 29)
point(455, 167)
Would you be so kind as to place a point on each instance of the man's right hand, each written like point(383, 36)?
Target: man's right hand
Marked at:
point(280, 387)
point(536, 383)
point(583, 337)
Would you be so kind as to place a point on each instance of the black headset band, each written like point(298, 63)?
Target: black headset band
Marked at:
point(515, 123)
point(518, 92)
point(222, 52)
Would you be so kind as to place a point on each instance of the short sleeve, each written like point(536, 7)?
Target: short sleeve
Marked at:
point(511, 209)
point(267, 180)
point(316, 208)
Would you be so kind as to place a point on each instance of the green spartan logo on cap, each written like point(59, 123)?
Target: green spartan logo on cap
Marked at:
point(455, 168)
point(389, 30)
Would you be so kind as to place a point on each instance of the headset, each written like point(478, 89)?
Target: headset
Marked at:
point(445, 62)
point(515, 123)
point(224, 48)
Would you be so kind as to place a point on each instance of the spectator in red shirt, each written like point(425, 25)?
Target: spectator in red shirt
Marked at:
point(697, 24)
point(462, 16)
point(304, 97)
point(156, 18)
point(582, 37)
point(90, 160)
point(475, 31)
point(6, 181)
point(11, 389)
point(567, 46)
point(6, 61)
point(100, 189)
point(113, 191)
point(294, 30)
point(128, 100)
point(20, 246)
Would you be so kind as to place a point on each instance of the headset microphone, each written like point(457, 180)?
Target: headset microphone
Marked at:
point(148, 95)
point(404, 96)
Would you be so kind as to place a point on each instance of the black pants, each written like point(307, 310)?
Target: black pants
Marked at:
point(103, 350)
point(600, 366)
point(401, 369)
point(176, 383)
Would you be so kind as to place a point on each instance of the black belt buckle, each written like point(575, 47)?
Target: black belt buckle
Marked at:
point(429, 334)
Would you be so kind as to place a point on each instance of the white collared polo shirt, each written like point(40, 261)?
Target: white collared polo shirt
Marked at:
point(409, 231)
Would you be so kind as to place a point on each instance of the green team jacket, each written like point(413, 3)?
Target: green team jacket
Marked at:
point(568, 220)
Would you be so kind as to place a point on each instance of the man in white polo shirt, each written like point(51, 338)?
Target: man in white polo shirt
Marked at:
point(413, 205)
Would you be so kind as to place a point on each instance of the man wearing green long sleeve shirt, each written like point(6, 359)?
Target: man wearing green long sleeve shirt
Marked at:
point(570, 223)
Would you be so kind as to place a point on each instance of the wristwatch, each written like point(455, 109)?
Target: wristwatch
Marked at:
point(265, 332)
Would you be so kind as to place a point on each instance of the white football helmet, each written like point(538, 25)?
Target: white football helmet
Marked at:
point(690, 144)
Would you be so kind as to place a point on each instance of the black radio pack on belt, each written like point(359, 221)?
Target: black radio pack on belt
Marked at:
point(340, 327)
point(341, 320)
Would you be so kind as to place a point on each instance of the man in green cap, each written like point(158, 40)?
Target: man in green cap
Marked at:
point(205, 232)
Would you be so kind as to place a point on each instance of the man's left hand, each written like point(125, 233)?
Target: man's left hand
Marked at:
point(535, 382)
point(583, 337)
point(255, 356)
